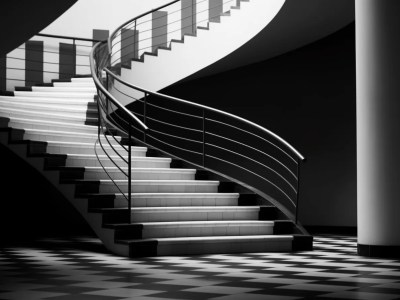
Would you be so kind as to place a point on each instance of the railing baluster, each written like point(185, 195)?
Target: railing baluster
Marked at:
point(298, 190)
point(144, 115)
point(204, 137)
point(130, 172)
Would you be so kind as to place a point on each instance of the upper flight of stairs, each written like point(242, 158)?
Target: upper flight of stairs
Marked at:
point(212, 40)
point(176, 209)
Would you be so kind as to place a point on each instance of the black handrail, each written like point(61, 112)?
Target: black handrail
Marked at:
point(294, 150)
point(68, 37)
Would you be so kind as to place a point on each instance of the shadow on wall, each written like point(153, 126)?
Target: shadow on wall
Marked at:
point(308, 97)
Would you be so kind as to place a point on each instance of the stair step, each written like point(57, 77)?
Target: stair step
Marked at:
point(210, 245)
point(58, 147)
point(198, 213)
point(162, 186)
point(81, 110)
point(82, 79)
point(46, 101)
point(73, 118)
point(74, 84)
point(62, 136)
point(172, 199)
point(92, 173)
point(206, 228)
point(55, 95)
point(51, 125)
point(81, 160)
point(65, 89)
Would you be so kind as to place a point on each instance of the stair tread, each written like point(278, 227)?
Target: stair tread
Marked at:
point(145, 158)
point(167, 170)
point(187, 223)
point(217, 239)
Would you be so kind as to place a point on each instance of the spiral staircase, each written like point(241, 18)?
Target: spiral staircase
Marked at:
point(166, 176)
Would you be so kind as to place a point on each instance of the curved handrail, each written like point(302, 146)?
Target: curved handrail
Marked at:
point(287, 144)
point(274, 175)
point(68, 37)
point(105, 92)
point(133, 19)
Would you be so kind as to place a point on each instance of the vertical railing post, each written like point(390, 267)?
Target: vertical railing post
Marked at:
point(204, 137)
point(298, 191)
point(144, 114)
point(130, 172)
point(74, 55)
point(107, 101)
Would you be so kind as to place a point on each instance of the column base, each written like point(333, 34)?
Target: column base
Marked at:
point(378, 251)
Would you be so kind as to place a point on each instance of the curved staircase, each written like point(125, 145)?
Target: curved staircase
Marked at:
point(140, 197)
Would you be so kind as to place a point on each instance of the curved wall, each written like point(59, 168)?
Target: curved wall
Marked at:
point(298, 23)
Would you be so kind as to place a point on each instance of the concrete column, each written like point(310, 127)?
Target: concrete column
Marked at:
point(378, 127)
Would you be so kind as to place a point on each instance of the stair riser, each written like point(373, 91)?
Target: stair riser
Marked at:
point(74, 84)
point(61, 95)
point(59, 138)
point(90, 150)
point(223, 247)
point(18, 101)
point(139, 176)
point(202, 230)
point(67, 127)
point(166, 216)
point(177, 201)
point(69, 89)
point(80, 118)
point(170, 188)
point(75, 162)
point(82, 107)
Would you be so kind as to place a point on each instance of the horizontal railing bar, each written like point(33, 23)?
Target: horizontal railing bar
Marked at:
point(68, 37)
point(230, 163)
point(174, 146)
point(255, 135)
point(176, 136)
point(135, 18)
point(301, 157)
point(255, 149)
point(255, 161)
point(181, 127)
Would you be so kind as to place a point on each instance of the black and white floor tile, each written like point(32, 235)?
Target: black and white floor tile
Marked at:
point(80, 268)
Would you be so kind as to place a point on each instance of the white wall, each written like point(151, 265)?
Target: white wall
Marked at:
point(86, 15)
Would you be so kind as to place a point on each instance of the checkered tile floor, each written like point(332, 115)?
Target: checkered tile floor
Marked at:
point(81, 268)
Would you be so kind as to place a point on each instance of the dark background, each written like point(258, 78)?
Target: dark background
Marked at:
point(308, 97)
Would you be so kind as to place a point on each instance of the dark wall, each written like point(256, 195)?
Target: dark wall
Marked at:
point(20, 20)
point(30, 206)
point(308, 97)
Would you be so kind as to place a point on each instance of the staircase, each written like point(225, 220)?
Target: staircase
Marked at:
point(133, 182)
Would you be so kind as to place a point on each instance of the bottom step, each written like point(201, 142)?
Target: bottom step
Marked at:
point(210, 245)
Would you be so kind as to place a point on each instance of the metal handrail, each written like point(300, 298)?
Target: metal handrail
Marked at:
point(67, 37)
point(290, 155)
point(105, 92)
point(294, 150)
